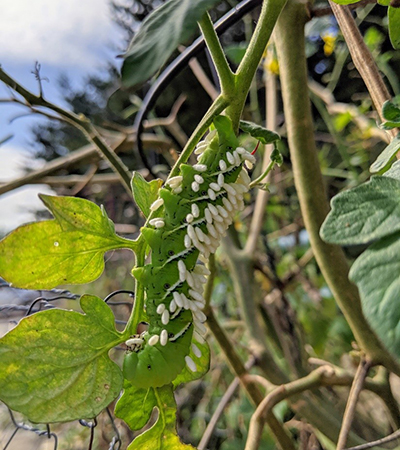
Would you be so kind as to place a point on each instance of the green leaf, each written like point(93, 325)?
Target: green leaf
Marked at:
point(384, 2)
point(135, 406)
point(256, 131)
point(394, 171)
point(162, 31)
point(202, 364)
point(365, 213)
point(162, 435)
point(276, 157)
point(54, 365)
point(145, 192)
point(376, 273)
point(394, 26)
point(235, 52)
point(387, 156)
point(391, 112)
point(68, 250)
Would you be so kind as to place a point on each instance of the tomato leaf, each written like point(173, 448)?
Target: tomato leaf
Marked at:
point(161, 32)
point(162, 435)
point(394, 171)
point(387, 156)
point(135, 406)
point(394, 26)
point(54, 365)
point(376, 273)
point(145, 192)
point(67, 250)
point(365, 213)
point(260, 133)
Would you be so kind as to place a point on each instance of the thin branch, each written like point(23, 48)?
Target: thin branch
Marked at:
point(326, 11)
point(80, 121)
point(255, 395)
point(239, 369)
point(362, 58)
point(118, 143)
point(356, 388)
point(335, 107)
point(165, 121)
point(226, 398)
point(203, 79)
point(263, 195)
point(225, 74)
point(391, 437)
point(171, 122)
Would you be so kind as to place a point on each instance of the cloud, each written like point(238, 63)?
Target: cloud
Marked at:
point(57, 32)
point(17, 207)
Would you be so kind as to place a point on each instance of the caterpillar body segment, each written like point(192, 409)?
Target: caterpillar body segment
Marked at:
point(189, 217)
point(153, 364)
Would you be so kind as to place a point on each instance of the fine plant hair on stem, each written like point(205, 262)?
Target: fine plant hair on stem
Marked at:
point(308, 178)
point(179, 64)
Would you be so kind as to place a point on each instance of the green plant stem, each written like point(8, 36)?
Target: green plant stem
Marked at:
point(263, 175)
point(79, 121)
point(219, 104)
point(245, 73)
point(308, 178)
point(138, 307)
point(225, 74)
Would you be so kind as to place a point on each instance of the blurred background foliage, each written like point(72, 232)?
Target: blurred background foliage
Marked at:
point(348, 140)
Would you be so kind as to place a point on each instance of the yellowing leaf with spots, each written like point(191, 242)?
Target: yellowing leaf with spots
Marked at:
point(67, 250)
point(162, 435)
point(54, 365)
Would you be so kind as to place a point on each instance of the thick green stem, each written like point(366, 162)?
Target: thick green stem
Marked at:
point(225, 74)
point(245, 73)
point(308, 178)
point(219, 104)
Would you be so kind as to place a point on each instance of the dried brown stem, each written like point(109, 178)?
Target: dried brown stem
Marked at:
point(392, 437)
point(354, 394)
point(362, 58)
point(263, 195)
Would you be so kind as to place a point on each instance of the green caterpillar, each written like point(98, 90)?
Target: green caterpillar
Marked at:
point(194, 210)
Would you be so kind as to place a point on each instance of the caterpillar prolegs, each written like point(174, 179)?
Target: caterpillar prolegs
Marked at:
point(193, 211)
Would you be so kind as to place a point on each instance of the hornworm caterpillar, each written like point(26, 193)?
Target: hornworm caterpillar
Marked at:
point(193, 211)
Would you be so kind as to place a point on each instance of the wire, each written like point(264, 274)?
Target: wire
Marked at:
point(177, 65)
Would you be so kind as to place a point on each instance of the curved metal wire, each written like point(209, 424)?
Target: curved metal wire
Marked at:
point(229, 19)
point(23, 426)
point(119, 291)
point(117, 438)
point(46, 300)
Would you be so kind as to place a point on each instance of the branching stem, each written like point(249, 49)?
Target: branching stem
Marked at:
point(79, 121)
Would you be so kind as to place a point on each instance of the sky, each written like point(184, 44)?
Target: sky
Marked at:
point(73, 37)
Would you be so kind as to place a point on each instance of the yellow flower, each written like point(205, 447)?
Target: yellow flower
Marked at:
point(329, 45)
